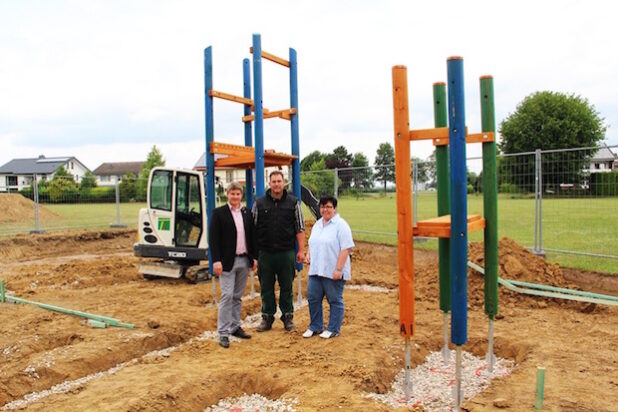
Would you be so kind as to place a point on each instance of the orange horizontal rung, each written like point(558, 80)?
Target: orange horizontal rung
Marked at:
point(441, 226)
point(428, 134)
point(229, 149)
point(282, 114)
point(231, 97)
point(272, 58)
point(484, 137)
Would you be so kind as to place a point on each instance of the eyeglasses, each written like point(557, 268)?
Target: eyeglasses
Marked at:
point(326, 207)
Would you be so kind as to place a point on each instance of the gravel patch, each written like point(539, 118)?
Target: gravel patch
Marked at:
point(369, 288)
point(255, 402)
point(433, 382)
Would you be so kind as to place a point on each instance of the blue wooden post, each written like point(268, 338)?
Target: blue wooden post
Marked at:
point(295, 134)
point(209, 118)
point(246, 74)
point(459, 212)
point(259, 115)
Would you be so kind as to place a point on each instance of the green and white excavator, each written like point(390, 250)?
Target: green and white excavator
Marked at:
point(172, 230)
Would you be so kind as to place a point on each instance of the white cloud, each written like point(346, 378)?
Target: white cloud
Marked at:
point(78, 77)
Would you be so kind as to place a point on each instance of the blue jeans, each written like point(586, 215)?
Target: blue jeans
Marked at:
point(317, 288)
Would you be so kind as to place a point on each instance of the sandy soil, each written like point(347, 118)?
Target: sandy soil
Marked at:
point(95, 272)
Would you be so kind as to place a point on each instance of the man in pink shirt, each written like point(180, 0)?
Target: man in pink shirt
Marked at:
point(231, 239)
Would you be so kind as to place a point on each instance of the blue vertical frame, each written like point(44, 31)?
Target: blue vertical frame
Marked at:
point(259, 115)
point(294, 132)
point(209, 120)
point(459, 212)
point(246, 74)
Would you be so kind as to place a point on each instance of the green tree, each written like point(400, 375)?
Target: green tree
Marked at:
point(155, 158)
point(128, 187)
point(550, 120)
point(363, 177)
point(310, 159)
point(62, 188)
point(384, 164)
point(341, 159)
point(320, 181)
point(88, 181)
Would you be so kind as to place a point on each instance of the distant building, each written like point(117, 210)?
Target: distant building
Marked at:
point(19, 174)
point(604, 160)
point(108, 173)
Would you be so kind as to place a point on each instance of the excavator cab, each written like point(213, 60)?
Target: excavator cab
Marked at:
point(172, 228)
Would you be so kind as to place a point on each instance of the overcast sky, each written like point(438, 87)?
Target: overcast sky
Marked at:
point(106, 80)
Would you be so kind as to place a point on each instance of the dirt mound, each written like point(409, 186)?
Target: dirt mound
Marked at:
point(31, 247)
point(16, 208)
point(517, 263)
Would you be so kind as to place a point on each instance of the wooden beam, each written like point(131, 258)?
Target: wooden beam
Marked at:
point(484, 137)
point(282, 114)
point(231, 97)
point(272, 58)
point(229, 149)
point(428, 134)
point(441, 226)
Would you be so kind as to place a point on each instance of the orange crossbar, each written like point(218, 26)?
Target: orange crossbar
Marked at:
point(229, 149)
point(441, 226)
point(484, 137)
point(231, 97)
point(428, 134)
point(272, 58)
point(282, 114)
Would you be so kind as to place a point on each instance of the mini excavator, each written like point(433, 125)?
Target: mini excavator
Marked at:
point(172, 230)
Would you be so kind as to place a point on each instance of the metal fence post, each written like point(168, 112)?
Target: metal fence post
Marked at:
point(538, 204)
point(117, 224)
point(336, 177)
point(35, 198)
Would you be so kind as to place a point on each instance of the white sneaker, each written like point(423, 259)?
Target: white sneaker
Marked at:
point(309, 333)
point(328, 334)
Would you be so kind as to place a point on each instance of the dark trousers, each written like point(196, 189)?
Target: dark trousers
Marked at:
point(276, 266)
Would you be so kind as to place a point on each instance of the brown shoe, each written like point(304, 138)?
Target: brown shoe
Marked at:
point(266, 324)
point(288, 322)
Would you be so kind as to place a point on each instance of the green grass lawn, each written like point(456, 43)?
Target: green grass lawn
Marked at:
point(74, 216)
point(585, 225)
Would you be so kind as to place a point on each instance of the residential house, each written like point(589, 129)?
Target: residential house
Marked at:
point(604, 160)
point(107, 174)
point(19, 174)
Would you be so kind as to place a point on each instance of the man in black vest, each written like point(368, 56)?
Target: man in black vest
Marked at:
point(231, 239)
point(279, 226)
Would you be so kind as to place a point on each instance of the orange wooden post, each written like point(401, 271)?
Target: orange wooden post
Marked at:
point(403, 180)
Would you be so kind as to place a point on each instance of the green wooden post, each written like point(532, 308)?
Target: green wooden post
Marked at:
point(444, 202)
point(540, 387)
point(490, 198)
point(2, 291)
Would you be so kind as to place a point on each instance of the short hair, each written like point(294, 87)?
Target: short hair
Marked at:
point(276, 172)
point(233, 185)
point(328, 199)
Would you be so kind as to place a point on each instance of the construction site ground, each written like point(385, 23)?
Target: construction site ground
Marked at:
point(168, 362)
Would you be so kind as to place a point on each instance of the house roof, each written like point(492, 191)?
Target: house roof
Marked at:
point(118, 168)
point(38, 165)
point(604, 154)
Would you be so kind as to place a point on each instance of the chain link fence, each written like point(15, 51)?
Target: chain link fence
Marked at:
point(557, 201)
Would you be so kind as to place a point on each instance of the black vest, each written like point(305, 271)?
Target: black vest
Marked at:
point(276, 223)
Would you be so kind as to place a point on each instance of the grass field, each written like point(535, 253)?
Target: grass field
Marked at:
point(585, 225)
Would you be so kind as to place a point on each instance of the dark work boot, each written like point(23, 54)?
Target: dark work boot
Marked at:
point(266, 324)
point(288, 321)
